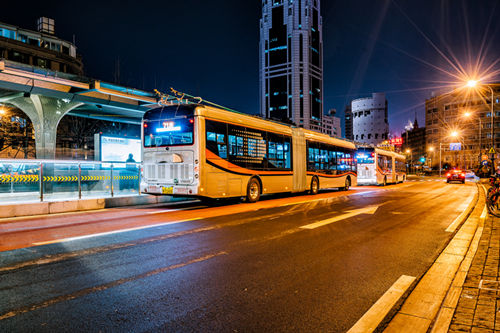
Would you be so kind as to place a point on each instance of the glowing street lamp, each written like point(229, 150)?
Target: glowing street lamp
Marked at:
point(471, 83)
point(408, 151)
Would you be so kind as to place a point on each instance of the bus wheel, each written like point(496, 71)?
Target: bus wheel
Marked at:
point(253, 190)
point(347, 184)
point(314, 186)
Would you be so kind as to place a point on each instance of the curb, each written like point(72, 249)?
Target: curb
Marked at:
point(55, 207)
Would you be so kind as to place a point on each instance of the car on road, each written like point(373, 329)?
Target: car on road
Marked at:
point(455, 175)
point(470, 174)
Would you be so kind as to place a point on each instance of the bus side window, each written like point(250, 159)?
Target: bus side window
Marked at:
point(232, 145)
point(288, 157)
point(310, 159)
point(221, 146)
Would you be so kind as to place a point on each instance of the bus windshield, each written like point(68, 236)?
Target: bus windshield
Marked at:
point(365, 156)
point(169, 126)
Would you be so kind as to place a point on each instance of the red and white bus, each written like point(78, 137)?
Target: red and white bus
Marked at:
point(379, 167)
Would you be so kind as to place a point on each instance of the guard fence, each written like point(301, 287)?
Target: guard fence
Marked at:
point(47, 180)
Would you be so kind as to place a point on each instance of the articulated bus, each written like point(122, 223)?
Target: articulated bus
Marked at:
point(379, 167)
point(207, 152)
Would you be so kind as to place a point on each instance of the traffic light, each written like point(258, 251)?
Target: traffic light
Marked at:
point(422, 159)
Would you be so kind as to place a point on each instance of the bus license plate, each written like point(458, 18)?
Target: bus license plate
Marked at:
point(167, 190)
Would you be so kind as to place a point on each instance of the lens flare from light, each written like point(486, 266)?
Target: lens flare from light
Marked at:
point(472, 83)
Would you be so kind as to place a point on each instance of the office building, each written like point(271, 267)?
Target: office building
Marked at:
point(291, 62)
point(465, 121)
point(39, 48)
point(331, 124)
point(414, 145)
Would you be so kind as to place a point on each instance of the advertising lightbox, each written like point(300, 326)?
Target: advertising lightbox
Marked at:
point(117, 149)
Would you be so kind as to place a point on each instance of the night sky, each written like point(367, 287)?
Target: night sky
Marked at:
point(210, 48)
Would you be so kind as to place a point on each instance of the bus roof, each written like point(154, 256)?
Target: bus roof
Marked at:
point(316, 136)
point(243, 119)
point(389, 153)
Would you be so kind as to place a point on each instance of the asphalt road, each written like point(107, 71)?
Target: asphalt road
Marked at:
point(283, 264)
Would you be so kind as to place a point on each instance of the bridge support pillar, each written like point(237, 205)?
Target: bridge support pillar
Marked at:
point(45, 113)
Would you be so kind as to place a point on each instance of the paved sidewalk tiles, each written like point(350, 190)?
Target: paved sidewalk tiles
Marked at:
point(479, 302)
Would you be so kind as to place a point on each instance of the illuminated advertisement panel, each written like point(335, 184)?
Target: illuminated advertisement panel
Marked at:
point(118, 149)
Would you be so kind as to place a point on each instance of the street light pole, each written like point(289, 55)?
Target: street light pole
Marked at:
point(493, 170)
point(440, 159)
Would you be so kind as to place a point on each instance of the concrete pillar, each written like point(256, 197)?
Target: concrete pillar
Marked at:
point(45, 114)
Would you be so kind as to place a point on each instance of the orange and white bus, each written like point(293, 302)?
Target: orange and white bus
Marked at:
point(203, 151)
point(379, 167)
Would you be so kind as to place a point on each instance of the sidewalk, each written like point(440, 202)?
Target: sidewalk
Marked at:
point(479, 303)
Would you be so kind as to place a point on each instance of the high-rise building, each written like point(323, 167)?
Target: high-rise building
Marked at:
point(348, 122)
point(291, 62)
point(370, 123)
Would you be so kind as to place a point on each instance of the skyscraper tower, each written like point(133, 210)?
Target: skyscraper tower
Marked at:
point(291, 62)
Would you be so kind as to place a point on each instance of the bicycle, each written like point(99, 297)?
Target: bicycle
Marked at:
point(493, 196)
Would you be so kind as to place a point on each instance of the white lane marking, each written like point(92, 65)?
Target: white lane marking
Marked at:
point(350, 213)
point(363, 193)
point(62, 240)
point(174, 210)
point(162, 211)
point(372, 318)
point(453, 226)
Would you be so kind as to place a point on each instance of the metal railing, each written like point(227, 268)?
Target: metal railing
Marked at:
point(41, 180)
